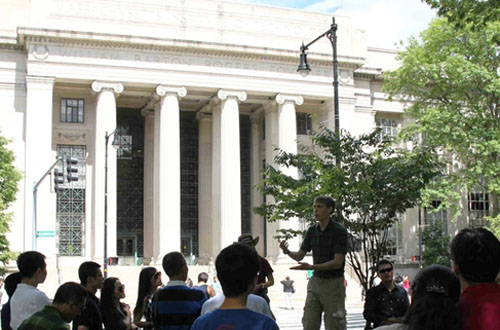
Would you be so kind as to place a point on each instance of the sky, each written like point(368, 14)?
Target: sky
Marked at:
point(386, 22)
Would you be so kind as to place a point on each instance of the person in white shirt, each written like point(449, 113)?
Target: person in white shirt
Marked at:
point(27, 299)
point(254, 302)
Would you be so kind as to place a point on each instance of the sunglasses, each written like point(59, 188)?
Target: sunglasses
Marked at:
point(383, 271)
point(156, 275)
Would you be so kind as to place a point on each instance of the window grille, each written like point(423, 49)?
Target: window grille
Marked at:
point(304, 123)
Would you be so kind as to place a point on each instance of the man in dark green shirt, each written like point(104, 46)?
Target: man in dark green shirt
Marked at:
point(325, 290)
point(67, 304)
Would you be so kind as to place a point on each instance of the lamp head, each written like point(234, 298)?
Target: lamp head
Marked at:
point(303, 68)
point(116, 141)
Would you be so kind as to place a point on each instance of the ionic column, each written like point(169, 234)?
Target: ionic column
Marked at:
point(148, 230)
point(216, 177)
point(271, 142)
point(230, 172)
point(287, 141)
point(169, 170)
point(105, 122)
point(256, 178)
point(38, 159)
point(205, 187)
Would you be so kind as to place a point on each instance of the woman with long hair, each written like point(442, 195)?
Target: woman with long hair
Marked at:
point(435, 292)
point(149, 281)
point(115, 314)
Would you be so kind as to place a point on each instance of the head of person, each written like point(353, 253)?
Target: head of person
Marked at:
point(113, 290)
point(237, 268)
point(32, 265)
point(435, 292)
point(149, 281)
point(202, 277)
point(69, 300)
point(475, 255)
point(11, 282)
point(90, 275)
point(175, 266)
point(385, 270)
point(287, 278)
point(248, 240)
point(323, 207)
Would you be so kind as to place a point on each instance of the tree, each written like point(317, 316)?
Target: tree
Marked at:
point(450, 80)
point(436, 243)
point(463, 12)
point(375, 182)
point(9, 178)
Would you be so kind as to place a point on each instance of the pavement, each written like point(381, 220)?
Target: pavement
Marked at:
point(292, 319)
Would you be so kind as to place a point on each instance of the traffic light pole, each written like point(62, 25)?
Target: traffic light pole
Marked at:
point(35, 190)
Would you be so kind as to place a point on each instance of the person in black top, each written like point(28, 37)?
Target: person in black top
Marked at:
point(10, 284)
point(115, 314)
point(91, 278)
point(203, 286)
point(325, 290)
point(149, 281)
point(387, 302)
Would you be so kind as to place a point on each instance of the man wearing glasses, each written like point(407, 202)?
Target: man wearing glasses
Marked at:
point(387, 302)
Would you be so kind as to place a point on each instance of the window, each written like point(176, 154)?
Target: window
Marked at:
point(479, 206)
point(432, 217)
point(71, 110)
point(389, 128)
point(304, 123)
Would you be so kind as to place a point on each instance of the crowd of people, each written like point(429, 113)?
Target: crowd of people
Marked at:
point(466, 297)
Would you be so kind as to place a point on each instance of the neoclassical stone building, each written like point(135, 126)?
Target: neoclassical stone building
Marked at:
point(198, 94)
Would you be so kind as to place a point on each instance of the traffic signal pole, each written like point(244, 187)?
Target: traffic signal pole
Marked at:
point(35, 190)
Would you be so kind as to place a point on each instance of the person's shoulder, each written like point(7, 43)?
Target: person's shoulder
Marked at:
point(337, 225)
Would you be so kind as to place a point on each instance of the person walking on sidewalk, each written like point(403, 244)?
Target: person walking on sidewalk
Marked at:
point(325, 290)
point(288, 290)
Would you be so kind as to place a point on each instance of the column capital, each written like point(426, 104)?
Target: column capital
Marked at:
point(283, 98)
point(98, 85)
point(40, 82)
point(178, 91)
point(203, 116)
point(225, 94)
point(269, 107)
point(147, 112)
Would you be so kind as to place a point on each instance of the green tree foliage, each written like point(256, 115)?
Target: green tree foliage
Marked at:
point(374, 183)
point(9, 178)
point(450, 80)
point(436, 243)
point(460, 13)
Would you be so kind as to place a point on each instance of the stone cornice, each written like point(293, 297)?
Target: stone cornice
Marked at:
point(104, 40)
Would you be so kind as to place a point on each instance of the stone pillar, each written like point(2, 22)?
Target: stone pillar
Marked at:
point(256, 178)
point(271, 142)
point(169, 170)
point(205, 236)
point(216, 177)
point(230, 172)
point(287, 141)
point(105, 121)
point(148, 237)
point(38, 159)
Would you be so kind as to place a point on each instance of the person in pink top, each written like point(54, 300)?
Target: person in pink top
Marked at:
point(475, 255)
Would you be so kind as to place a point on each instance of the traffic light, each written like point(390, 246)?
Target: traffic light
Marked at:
point(71, 169)
point(58, 179)
point(113, 261)
point(415, 258)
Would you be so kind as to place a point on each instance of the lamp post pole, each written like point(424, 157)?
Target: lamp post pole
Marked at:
point(115, 145)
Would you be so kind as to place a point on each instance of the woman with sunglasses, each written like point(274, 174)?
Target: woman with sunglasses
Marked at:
point(149, 281)
point(115, 314)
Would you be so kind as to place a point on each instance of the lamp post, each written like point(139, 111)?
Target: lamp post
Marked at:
point(115, 145)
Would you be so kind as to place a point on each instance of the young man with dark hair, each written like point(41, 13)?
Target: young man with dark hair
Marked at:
point(237, 268)
point(387, 302)
point(10, 285)
point(475, 258)
point(325, 290)
point(203, 286)
point(27, 299)
point(91, 278)
point(67, 304)
point(176, 306)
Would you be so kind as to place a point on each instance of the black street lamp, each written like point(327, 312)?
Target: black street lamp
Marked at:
point(304, 69)
point(115, 145)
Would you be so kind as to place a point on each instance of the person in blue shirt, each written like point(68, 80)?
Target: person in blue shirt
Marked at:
point(237, 268)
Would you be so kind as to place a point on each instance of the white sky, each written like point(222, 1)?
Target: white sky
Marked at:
point(386, 22)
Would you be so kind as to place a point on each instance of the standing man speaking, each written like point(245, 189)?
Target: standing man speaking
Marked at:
point(325, 291)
